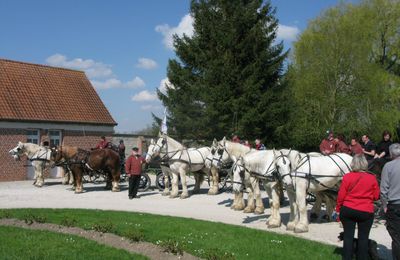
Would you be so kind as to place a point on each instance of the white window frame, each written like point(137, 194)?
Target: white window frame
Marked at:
point(55, 139)
point(31, 136)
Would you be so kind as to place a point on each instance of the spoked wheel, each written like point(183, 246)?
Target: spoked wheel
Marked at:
point(145, 182)
point(310, 199)
point(160, 184)
point(225, 183)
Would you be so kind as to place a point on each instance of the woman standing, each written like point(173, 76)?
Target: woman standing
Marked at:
point(355, 202)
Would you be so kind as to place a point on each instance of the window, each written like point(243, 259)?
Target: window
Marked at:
point(55, 137)
point(32, 136)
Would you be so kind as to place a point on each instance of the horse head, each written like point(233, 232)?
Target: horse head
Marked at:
point(17, 151)
point(155, 148)
point(238, 170)
point(283, 167)
point(56, 155)
point(221, 154)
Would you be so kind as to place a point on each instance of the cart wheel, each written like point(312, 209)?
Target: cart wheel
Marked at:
point(225, 183)
point(310, 199)
point(160, 184)
point(145, 182)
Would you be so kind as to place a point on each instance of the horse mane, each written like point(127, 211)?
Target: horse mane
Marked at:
point(236, 149)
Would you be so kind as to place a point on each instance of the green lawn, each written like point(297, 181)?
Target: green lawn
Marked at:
point(20, 243)
point(201, 238)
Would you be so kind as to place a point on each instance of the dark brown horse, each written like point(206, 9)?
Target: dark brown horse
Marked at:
point(81, 161)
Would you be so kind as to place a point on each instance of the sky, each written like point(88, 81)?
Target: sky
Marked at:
point(122, 45)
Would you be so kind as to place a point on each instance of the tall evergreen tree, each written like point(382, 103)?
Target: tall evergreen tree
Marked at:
point(226, 76)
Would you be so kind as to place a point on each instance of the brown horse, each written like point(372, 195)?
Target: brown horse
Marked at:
point(81, 161)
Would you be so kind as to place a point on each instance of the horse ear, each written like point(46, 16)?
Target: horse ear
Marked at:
point(223, 140)
point(273, 150)
point(152, 141)
point(215, 142)
point(159, 134)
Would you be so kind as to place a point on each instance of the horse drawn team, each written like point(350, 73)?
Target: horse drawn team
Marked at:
point(299, 172)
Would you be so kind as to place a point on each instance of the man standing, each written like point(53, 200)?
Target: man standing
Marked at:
point(328, 145)
point(390, 197)
point(133, 168)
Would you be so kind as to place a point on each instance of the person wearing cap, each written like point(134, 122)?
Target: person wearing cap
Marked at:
point(328, 145)
point(133, 168)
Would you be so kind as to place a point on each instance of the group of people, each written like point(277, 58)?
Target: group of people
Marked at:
point(258, 145)
point(132, 165)
point(373, 153)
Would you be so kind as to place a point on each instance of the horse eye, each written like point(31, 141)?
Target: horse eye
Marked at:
point(220, 152)
point(18, 149)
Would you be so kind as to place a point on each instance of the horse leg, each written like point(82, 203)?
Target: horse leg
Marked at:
point(250, 193)
point(78, 179)
point(71, 178)
point(293, 218)
point(66, 176)
point(39, 168)
point(259, 203)
point(167, 174)
point(175, 180)
point(316, 209)
point(301, 191)
point(239, 201)
point(198, 180)
point(185, 193)
point(116, 174)
point(215, 179)
point(274, 202)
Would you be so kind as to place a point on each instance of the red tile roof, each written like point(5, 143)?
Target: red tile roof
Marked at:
point(33, 92)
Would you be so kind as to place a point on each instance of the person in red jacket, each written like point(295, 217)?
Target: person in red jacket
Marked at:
point(341, 146)
point(355, 202)
point(133, 168)
point(328, 145)
point(355, 147)
point(102, 144)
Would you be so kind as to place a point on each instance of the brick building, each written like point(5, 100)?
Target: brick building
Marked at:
point(40, 103)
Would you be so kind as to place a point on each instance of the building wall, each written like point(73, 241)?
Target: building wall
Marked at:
point(11, 170)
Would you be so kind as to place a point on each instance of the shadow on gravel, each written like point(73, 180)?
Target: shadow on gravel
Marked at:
point(249, 219)
point(227, 202)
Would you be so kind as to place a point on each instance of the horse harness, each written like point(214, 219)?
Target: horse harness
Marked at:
point(313, 177)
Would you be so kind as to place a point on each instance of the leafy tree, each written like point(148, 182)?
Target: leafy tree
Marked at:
point(337, 78)
point(226, 76)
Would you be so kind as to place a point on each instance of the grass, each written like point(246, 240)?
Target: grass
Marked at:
point(19, 243)
point(205, 239)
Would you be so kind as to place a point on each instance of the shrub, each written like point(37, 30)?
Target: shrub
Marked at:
point(217, 254)
point(68, 222)
point(105, 227)
point(172, 246)
point(5, 213)
point(135, 235)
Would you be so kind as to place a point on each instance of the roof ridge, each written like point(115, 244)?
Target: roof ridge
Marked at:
point(41, 65)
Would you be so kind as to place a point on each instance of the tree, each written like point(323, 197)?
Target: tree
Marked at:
point(337, 80)
point(226, 76)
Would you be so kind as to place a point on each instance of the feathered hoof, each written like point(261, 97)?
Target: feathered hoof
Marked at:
point(165, 193)
point(39, 185)
point(249, 210)
point(116, 189)
point(173, 196)
point(290, 226)
point(184, 196)
point(212, 192)
point(238, 207)
point(259, 210)
point(300, 228)
point(78, 191)
point(273, 225)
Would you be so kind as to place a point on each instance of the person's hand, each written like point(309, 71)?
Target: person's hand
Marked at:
point(385, 209)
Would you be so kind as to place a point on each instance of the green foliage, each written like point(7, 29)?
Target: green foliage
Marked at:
point(134, 235)
point(68, 221)
point(336, 79)
point(226, 76)
point(20, 243)
point(103, 227)
point(172, 246)
point(218, 254)
point(5, 213)
point(196, 237)
point(30, 218)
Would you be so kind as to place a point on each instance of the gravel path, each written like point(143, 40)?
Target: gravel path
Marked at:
point(23, 194)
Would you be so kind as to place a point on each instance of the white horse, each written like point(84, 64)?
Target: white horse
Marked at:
point(181, 160)
point(263, 165)
point(314, 174)
point(226, 152)
point(38, 155)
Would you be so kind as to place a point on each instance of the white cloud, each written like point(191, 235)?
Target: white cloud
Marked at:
point(288, 33)
point(95, 70)
point(146, 63)
point(116, 83)
point(137, 82)
point(164, 84)
point(145, 95)
point(185, 26)
point(92, 68)
point(150, 107)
